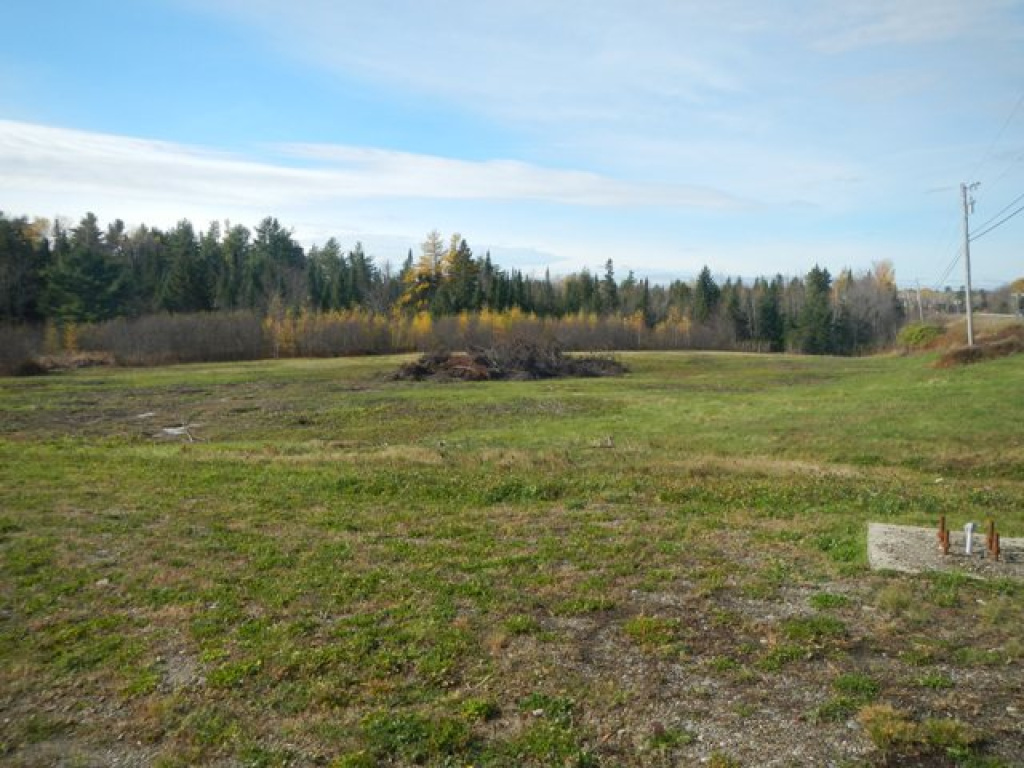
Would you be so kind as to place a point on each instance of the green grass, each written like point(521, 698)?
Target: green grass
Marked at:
point(345, 570)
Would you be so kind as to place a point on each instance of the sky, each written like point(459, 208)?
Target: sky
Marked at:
point(755, 138)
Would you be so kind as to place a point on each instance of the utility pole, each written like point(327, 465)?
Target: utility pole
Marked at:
point(920, 306)
point(965, 190)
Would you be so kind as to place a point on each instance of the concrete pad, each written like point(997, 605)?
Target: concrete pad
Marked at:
point(910, 549)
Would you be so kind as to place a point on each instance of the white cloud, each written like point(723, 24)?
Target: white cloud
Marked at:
point(737, 95)
point(385, 198)
point(381, 172)
point(699, 124)
point(65, 161)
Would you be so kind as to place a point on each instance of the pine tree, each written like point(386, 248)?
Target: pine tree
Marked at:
point(188, 286)
point(609, 289)
point(362, 274)
point(234, 253)
point(815, 324)
point(706, 296)
point(24, 259)
point(769, 321)
point(84, 283)
point(460, 272)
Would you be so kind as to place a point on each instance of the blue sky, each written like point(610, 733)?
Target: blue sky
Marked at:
point(664, 134)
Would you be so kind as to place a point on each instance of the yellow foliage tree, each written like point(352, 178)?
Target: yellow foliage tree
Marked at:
point(70, 337)
point(884, 272)
point(423, 280)
point(51, 338)
point(421, 328)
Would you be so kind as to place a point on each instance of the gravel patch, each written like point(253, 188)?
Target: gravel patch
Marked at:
point(911, 549)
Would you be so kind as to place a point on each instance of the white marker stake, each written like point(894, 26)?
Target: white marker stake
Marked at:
point(968, 538)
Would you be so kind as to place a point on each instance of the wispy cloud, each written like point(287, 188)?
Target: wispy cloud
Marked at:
point(529, 61)
point(848, 26)
point(666, 132)
point(36, 156)
point(368, 171)
point(538, 62)
point(610, 85)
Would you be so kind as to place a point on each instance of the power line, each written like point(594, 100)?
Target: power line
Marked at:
point(949, 241)
point(997, 224)
point(998, 136)
point(968, 208)
point(1004, 210)
point(949, 270)
point(1007, 170)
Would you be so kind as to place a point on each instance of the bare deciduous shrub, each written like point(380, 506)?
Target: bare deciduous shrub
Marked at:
point(1003, 343)
point(19, 346)
point(186, 338)
point(336, 334)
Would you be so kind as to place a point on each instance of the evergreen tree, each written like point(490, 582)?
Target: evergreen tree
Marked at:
point(461, 289)
point(234, 254)
point(24, 259)
point(275, 268)
point(329, 282)
point(680, 297)
point(814, 330)
point(706, 295)
point(769, 321)
point(85, 284)
point(545, 298)
point(609, 289)
point(486, 282)
point(188, 285)
point(362, 274)
point(734, 309)
point(211, 262)
point(647, 305)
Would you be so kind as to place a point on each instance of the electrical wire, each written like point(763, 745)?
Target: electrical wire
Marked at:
point(949, 270)
point(949, 241)
point(997, 224)
point(1000, 213)
point(981, 164)
point(998, 136)
point(1006, 171)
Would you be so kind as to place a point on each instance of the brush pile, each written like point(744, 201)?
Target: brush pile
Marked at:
point(1003, 343)
point(515, 360)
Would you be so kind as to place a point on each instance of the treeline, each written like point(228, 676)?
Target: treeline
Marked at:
point(84, 277)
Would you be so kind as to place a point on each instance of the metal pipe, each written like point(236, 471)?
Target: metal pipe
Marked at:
point(968, 538)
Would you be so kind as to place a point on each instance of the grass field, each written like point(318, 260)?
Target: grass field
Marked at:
point(331, 568)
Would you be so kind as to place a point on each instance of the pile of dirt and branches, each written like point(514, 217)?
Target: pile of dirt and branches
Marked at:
point(1003, 343)
point(66, 361)
point(513, 360)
